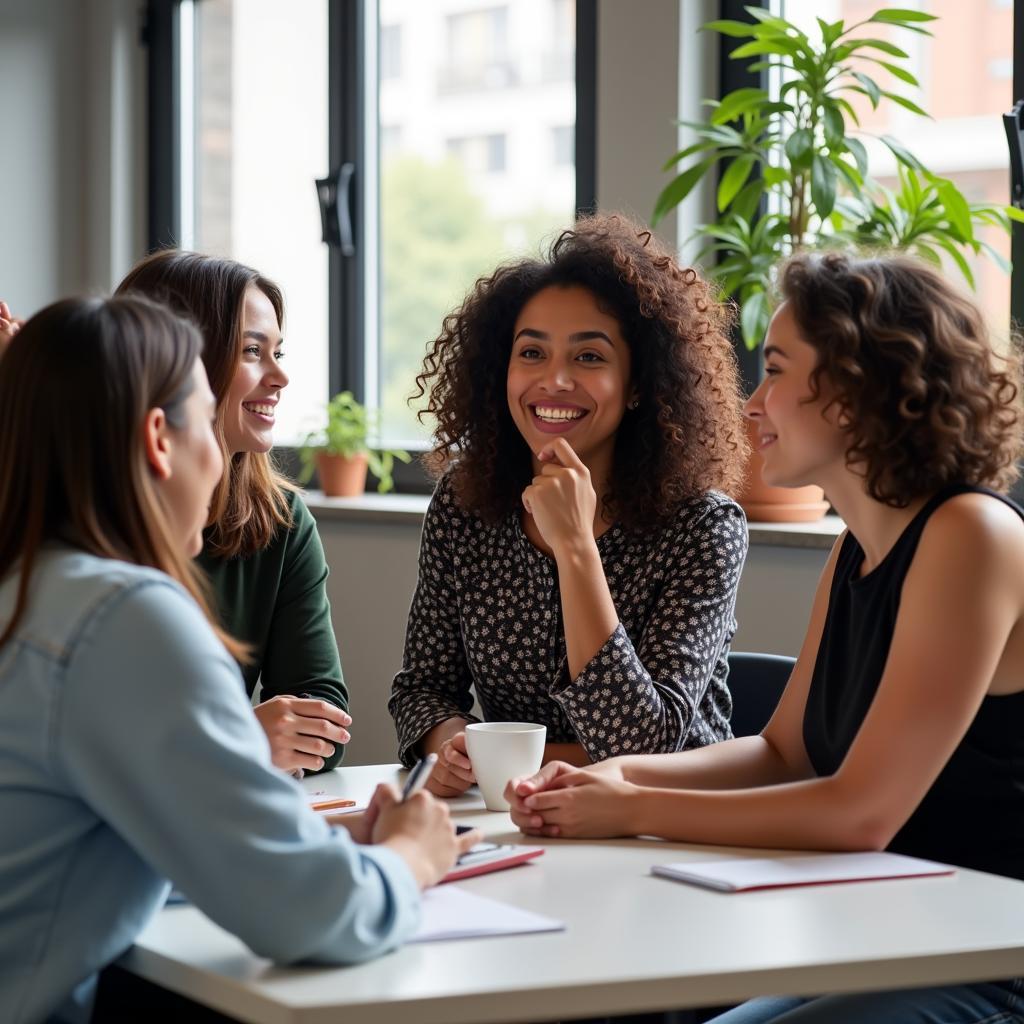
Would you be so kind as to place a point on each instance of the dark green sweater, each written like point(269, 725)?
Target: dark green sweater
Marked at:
point(276, 601)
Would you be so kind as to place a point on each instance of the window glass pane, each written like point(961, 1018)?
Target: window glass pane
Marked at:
point(966, 73)
point(260, 140)
point(476, 162)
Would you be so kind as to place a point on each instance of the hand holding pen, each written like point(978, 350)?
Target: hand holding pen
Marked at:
point(417, 826)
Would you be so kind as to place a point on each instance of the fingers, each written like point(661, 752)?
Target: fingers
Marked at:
point(562, 453)
point(384, 796)
point(443, 789)
point(542, 779)
point(5, 311)
point(310, 707)
point(468, 840)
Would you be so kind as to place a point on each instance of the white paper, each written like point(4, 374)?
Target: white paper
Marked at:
point(453, 913)
point(799, 869)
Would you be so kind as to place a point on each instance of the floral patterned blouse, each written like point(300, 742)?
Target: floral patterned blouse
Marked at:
point(486, 616)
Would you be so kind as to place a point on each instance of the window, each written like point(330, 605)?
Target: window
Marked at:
point(253, 140)
point(390, 51)
point(452, 164)
point(474, 181)
point(965, 69)
point(563, 142)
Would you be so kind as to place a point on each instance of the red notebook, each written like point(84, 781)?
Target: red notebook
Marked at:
point(485, 857)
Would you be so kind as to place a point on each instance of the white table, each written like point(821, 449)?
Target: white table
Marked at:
point(634, 943)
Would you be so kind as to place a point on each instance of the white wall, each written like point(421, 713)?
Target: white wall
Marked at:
point(72, 172)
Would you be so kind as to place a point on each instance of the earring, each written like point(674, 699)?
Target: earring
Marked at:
point(635, 404)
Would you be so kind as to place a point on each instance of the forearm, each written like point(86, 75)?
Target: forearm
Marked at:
point(747, 762)
point(588, 613)
point(812, 814)
point(571, 753)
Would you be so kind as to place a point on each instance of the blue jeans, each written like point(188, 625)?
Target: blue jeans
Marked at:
point(995, 1002)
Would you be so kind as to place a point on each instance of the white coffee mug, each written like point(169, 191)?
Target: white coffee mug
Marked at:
point(501, 751)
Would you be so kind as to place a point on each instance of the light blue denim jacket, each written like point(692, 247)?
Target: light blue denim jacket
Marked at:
point(129, 755)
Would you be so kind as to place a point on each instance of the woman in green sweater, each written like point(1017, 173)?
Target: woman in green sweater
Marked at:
point(261, 549)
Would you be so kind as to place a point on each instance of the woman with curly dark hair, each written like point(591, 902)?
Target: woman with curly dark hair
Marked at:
point(579, 564)
point(902, 726)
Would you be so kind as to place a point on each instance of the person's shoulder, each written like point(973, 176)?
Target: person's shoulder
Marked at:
point(978, 522)
point(711, 510)
point(73, 590)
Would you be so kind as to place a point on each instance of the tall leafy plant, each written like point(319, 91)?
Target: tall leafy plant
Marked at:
point(796, 168)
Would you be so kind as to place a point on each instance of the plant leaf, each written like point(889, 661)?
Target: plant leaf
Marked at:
point(908, 104)
point(901, 73)
point(736, 102)
point(878, 44)
point(860, 154)
point(823, 185)
point(898, 15)
point(957, 256)
point(870, 87)
point(773, 45)
point(956, 207)
point(738, 29)
point(679, 188)
point(835, 126)
point(753, 318)
point(901, 153)
point(734, 178)
point(798, 147)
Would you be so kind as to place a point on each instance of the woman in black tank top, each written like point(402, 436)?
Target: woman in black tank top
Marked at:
point(902, 725)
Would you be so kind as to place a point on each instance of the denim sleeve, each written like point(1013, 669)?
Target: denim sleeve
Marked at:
point(155, 733)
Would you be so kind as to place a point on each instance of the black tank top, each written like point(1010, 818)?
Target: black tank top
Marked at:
point(973, 815)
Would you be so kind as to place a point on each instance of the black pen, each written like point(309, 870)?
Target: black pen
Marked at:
point(418, 776)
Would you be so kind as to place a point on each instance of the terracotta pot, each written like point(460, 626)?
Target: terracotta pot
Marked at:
point(766, 504)
point(341, 476)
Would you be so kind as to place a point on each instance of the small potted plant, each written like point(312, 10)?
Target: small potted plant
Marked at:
point(341, 454)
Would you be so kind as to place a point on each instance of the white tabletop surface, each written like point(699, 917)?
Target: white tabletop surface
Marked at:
point(633, 942)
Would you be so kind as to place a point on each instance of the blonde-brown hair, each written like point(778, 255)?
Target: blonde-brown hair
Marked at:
point(76, 385)
point(250, 504)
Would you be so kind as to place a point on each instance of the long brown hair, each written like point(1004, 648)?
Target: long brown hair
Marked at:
point(76, 385)
point(250, 504)
point(686, 436)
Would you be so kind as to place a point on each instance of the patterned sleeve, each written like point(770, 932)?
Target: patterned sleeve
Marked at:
point(434, 683)
point(644, 697)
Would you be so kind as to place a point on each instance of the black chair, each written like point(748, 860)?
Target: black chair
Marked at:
point(756, 682)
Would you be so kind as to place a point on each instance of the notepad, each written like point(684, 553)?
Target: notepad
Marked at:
point(743, 874)
point(453, 913)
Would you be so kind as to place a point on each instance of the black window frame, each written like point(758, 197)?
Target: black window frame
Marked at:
point(347, 107)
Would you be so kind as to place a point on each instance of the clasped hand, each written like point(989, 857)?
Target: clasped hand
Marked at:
point(561, 499)
point(579, 803)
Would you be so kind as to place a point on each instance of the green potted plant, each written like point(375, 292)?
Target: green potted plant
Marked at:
point(796, 171)
point(341, 454)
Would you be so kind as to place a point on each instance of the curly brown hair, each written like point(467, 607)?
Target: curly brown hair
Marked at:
point(686, 435)
point(909, 360)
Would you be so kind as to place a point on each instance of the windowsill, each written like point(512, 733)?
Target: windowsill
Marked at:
point(402, 509)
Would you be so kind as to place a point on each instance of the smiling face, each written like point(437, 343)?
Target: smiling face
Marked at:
point(568, 374)
point(251, 400)
point(194, 464)
point(799, 436)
